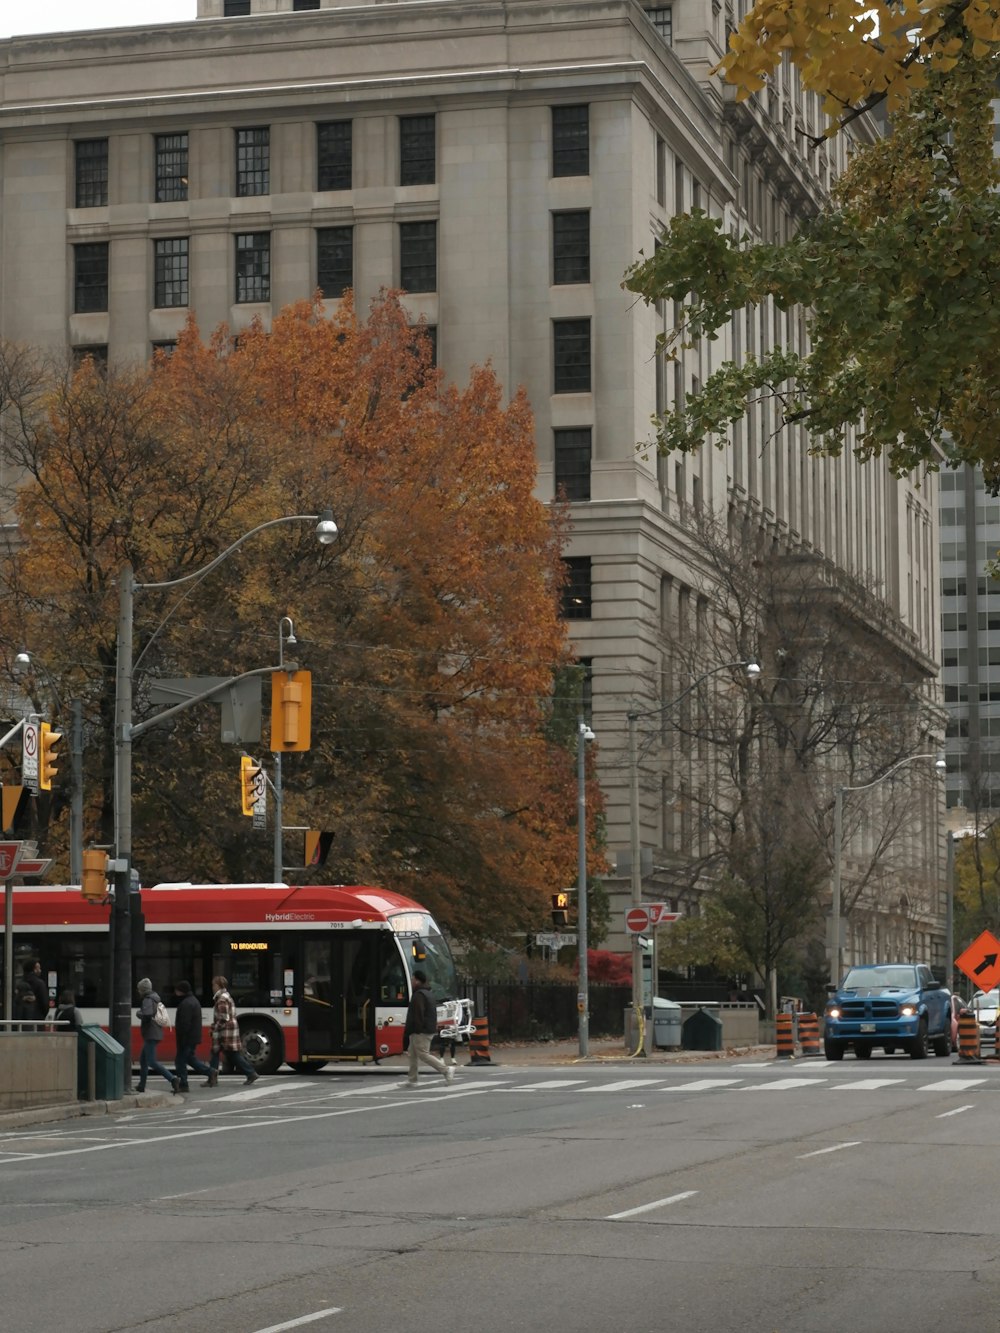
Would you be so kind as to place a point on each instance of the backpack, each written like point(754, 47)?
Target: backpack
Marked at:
point(161, 1016)
point(65, 1014)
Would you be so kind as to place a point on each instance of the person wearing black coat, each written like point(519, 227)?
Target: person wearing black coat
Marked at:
point(189, 1032)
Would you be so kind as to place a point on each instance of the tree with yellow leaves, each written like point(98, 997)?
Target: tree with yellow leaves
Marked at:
point(897, 277)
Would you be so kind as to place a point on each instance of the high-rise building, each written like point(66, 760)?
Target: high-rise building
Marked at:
point(504, 164)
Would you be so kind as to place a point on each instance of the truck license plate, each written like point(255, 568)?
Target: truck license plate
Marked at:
point(867, 1027)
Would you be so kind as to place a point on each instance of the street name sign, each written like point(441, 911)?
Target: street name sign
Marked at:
point(551, 939)
point(981, 961)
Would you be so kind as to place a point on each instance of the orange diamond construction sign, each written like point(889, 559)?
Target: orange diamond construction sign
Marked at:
point(981, 961)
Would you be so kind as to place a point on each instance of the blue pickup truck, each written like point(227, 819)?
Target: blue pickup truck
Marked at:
point(898, 1006)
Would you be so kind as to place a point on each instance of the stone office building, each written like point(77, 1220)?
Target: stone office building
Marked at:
point(503, 161)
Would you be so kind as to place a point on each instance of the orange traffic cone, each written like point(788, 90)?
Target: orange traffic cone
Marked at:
point(479, 1042)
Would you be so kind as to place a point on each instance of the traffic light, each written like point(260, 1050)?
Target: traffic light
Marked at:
point(560, 909)
point(291, 710)
point(95, 874)
point(47, 758)
point(318, 842)
point(249, 770)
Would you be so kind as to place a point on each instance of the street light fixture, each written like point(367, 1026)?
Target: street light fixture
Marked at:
point(752, 672)
point(838, 840)
point(583, 735)
point(326, 533)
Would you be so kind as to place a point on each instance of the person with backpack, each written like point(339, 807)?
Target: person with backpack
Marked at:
point(151, 1015)
point(187, 1025)
point(226, 1035)
point(68, 1012)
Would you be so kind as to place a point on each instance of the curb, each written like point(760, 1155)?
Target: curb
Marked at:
point(41, 1115)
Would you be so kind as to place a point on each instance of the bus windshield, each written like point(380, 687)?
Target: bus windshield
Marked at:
point(426, 950)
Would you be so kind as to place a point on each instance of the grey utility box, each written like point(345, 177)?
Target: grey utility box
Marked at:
point(100, 1066)
point(666, 1023)
point(702, 1032)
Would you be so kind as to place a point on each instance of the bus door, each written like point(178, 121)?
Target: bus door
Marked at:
point(337, 1012)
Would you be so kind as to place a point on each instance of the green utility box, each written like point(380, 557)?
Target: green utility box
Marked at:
point(100, 1066)
point(702, 1032)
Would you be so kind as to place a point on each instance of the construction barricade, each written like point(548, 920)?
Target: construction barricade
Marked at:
point(809, 1035)
point(784, 1037)
point(479, 1042)
point(968, 1038)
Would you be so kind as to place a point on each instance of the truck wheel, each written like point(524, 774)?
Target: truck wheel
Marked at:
point(942, 1044)
point(918, 1046)
point(833, 1050)
point(862, 1050)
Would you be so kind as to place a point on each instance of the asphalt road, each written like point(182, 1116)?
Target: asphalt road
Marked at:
point(751, 1197)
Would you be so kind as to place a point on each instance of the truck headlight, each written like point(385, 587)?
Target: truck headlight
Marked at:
point(833, 1012)
point(908, 1010)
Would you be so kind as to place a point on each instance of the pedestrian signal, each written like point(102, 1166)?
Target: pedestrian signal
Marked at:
point(560, 909)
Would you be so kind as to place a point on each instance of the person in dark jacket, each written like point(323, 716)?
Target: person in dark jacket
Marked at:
point(421, 1025)
point(30, 993)
point(68, 1012)
point(189, 1032)
point(152, 1035)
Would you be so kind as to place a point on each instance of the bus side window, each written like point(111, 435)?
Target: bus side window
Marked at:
point(392, 983)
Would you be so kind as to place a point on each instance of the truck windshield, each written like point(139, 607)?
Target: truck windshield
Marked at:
point(881, 978)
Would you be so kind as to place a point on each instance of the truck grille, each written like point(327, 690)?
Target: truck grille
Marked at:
point(870, 1009)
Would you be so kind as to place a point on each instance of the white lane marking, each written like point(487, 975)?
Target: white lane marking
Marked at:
point(548, 1083)
point(648, 1207)
point(230, 1127)
point(783, 1084)
point(702, 1085)
point(956, 1111)
point(952, 1085)
point(837, 1147)
point(188, 1194)
point(304, 1319)
point(866, 1084)
point(624, 1083)
point(252, 1094)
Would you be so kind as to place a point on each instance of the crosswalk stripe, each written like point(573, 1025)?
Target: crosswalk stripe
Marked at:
point(952, 1085)
point(548, 1083)
point(623, 1084)
point(866, 1084)
point(702, 1085)
point(784, 1084)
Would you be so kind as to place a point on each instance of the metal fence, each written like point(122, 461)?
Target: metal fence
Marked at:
point(545, 1011)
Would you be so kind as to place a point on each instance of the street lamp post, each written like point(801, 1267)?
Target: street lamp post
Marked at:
point(121, 1025)
point(752, 670)
point(838, 840)
point(583, 735)
point(279, 830)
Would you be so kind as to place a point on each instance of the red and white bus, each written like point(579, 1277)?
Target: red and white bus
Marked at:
point(318, 972)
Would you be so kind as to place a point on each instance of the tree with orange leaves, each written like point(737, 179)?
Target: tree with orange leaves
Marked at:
point(431, 627)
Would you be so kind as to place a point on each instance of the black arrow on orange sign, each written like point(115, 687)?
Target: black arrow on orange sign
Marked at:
point(988, 962)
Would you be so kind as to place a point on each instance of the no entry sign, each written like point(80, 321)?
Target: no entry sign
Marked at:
point(636, 920)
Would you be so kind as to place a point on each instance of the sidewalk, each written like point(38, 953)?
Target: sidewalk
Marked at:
point(601, 1051)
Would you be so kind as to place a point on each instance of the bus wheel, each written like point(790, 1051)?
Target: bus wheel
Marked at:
point(262, 1044)
point(306, 1066)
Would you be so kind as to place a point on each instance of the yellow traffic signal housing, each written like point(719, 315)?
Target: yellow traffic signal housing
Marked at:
point(560, 909)
point(48, 765)
point(249, 769)
point(291, 710)
point(95, 874)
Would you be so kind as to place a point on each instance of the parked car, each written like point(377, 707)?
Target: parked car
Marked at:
point(984, 1006)
point(891, 1005)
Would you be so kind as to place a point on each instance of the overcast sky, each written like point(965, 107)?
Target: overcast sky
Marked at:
point(72, 15)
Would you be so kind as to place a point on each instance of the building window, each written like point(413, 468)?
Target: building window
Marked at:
point(417, 153)
point(571, 355)
point(571, 140)
point(576, 589)
point(253, 161)
point(170, 272)
point(572, 462)
point(663, 21)
point(334, 260)
point(430, 332)
point(571, 246)
point(253, 266)
point(90, 277)
point(166, 347)
point(171, 167)
point(333, 155)
point(96, 352)
point(91, 173)
point(300, 5)
point(232, 9)
point(418, 256)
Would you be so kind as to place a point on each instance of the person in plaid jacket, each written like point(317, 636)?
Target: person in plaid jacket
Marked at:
point(226, 1035)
